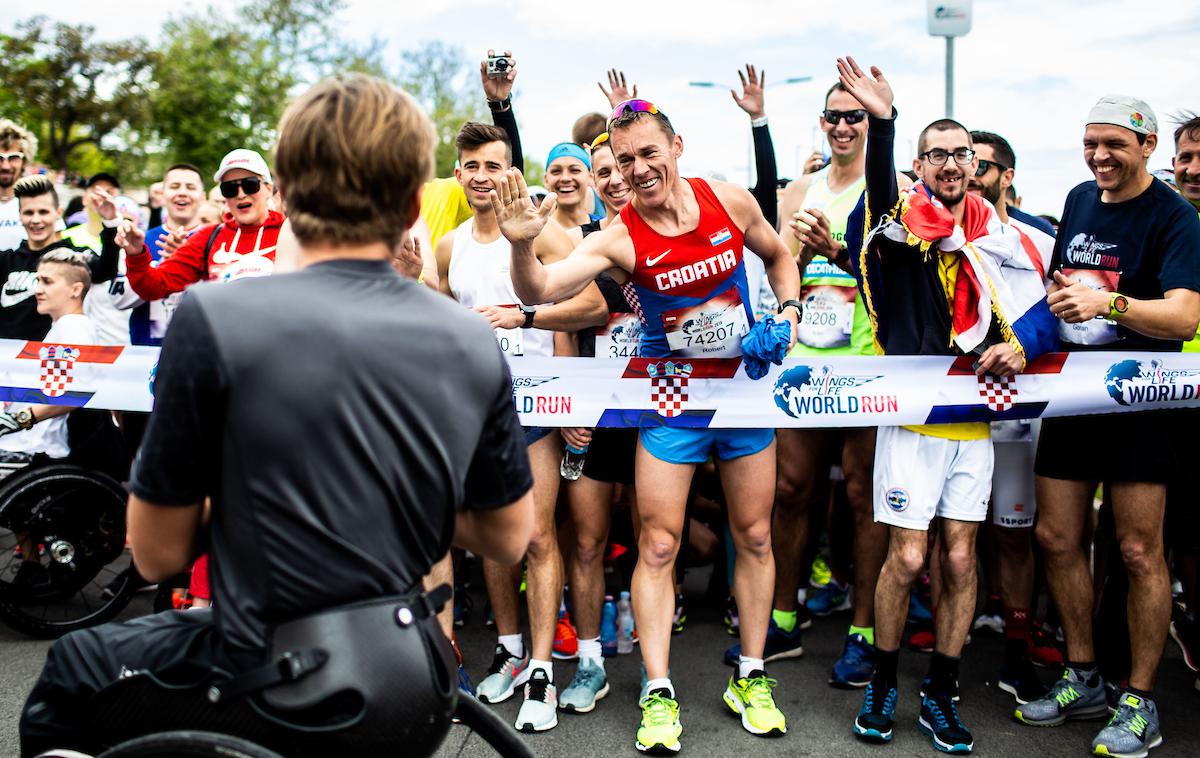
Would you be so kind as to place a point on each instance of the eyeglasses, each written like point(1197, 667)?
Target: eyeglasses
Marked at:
point(599, 141)
point(938, 157)
point(249, 185)
point(11, 157)
point(634, 106)
point(984, 166)
point(852, 117)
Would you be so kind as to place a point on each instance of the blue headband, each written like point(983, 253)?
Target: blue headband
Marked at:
point(569, 150)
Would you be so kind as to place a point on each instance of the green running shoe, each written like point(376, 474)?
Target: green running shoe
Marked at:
point(750, 697)
point(660, 729)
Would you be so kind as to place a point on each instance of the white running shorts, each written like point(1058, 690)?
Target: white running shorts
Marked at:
point(918, 477)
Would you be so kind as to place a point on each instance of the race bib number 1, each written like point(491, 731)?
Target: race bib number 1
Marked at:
point(511, 342)
point(712, 329)
point(1097, 331)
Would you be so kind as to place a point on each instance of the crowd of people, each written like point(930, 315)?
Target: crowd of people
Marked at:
point(853, 258)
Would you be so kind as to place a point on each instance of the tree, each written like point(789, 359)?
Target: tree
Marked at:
point(443, 81)
point(73, 90)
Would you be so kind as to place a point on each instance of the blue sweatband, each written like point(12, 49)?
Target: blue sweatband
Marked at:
point(569, 150)
point(766, 343)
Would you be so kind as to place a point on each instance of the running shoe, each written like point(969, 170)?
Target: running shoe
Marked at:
point(1186, 633)
point(924, 688)
point(874, 720)
point(566, 641)
point(680, 617)
point(804, 617)
point(856, 666)
point(589, 685)
point(821, 574)
point(732, 625)
point(940, 722)
point(1019, 678)
point(507, 672)
point(922, 640)
point(831, 598)
point(750, 698)
point(779, 645)
point(1044, 651)
point(1132, 731)
point(659, 732)
point(1069, 698)
point(539, 712)
point(991, 620)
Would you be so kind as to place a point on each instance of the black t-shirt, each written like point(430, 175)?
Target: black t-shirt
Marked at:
point(19, 319)
point(1141, 247)
point(337, 417)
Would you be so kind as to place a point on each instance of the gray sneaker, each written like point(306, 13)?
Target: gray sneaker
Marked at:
point(1069, 698)
point(589, 685)
point(538, 713)
point(506, 674)
point(1132, 730)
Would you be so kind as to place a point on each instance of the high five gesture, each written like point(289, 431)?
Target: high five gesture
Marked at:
point(520, 220)
point(872, 91)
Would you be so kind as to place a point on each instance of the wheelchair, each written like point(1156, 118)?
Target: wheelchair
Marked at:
point(63, 560)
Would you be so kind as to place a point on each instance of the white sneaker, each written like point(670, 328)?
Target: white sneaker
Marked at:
point(539, 712)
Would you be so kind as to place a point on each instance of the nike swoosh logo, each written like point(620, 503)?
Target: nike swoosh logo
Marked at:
point(652, 261)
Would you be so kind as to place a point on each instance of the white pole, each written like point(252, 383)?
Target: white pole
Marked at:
point(949, 77)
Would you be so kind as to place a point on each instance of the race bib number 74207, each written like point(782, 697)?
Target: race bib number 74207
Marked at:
point(711, 329)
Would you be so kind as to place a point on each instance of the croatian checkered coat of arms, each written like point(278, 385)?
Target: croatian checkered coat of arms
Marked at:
point(999, 392)
point(669, 387)
point(58, 361)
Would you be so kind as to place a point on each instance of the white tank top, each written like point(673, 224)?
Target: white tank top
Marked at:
point(479, 275)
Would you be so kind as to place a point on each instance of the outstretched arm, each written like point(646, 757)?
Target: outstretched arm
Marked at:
point(498, 91)
point(876, 97)
point(752, 102)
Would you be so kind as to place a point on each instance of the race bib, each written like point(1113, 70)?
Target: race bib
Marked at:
point(245, 267)
point(621, 337)
point(161, 312)
point(1097, 331)
point(828, 317)
point(709, 330)
point(511, 341)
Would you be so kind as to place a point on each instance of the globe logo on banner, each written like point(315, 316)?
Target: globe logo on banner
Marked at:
point(669, 387)
point(1133, 382)
point(57, 363)
point(999, 392)
point(803, 390)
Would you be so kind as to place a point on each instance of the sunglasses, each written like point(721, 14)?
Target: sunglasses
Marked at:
point(985, 166)
point(249, 185)
point(599, 141)
point(852, 117)
point(634, 106)
point(11, 157)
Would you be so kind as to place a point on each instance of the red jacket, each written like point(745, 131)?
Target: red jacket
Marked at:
point(236, 252)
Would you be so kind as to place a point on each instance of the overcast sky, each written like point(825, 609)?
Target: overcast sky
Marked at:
point(1029, 69)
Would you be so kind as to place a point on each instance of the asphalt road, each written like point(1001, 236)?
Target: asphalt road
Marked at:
point(818, 716)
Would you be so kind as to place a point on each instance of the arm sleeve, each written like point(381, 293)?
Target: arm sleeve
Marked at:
point(104, 266)
point(507, 121)
point(1181, 251)
point(177, 463)
point(499, 471)
point(175, 274)
point(882, 192)
point(768, 174)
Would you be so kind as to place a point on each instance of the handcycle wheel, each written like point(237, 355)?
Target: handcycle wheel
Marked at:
point(491, 728)
point(188, 745)
point(70, 522)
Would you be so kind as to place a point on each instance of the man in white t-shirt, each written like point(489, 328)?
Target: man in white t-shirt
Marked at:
point(17, 147)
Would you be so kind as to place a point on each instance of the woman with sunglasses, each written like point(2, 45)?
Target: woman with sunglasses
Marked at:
point(241, 245)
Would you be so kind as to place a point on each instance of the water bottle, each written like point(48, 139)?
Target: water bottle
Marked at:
point(608, 628)
point(624, 625)
point(572, 462)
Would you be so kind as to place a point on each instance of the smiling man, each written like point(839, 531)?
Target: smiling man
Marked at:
point(680, 243)
point(1126, 269)
point(17, 145)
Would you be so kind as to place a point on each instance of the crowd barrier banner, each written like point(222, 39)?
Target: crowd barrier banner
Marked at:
point(714, 392)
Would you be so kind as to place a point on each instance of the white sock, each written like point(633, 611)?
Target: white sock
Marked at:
point(591, 650)
point(747, 666)
point(661, 684)
point(513, 644)
point(546, 666)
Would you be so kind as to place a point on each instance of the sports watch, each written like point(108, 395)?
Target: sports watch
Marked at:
point(528, 310)
point(1118, 305)
point(792, 304)
point(24, 418)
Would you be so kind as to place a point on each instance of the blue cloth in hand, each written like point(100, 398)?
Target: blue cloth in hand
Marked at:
point(766, 343)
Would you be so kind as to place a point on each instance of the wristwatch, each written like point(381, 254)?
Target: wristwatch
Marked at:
point(24, 418)
point(528, 310)
point(499, 106)
point(792, 304)
point(1118, 305)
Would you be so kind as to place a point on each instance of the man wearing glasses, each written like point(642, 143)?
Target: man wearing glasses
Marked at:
point(680, 245)
point(243, 245)
point(16, 142)
point(926, 251)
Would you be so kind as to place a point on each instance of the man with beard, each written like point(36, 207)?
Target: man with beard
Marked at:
point(925, 265)
point(17, 146)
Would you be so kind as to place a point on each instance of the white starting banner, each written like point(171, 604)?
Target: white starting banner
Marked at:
point(703, 392)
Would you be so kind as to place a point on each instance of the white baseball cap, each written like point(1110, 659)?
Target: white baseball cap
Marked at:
point(1122, 110)
point(247, 159)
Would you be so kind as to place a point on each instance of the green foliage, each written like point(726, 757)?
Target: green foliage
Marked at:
point(441, 79)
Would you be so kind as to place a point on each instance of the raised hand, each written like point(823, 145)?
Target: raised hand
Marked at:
point(169, 243)
point(751, 100)
point(406, 257)
point(520, 220)
point(498, 88)
point(103, 203)
point(814, 162)
point(617, 92)
point(130, 238)
point(872, 91)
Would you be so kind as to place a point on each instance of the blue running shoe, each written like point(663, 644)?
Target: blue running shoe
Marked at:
point(856, 666)
point(780, 645)
point(939, 721)
point(874, 720)
point(831, 598)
